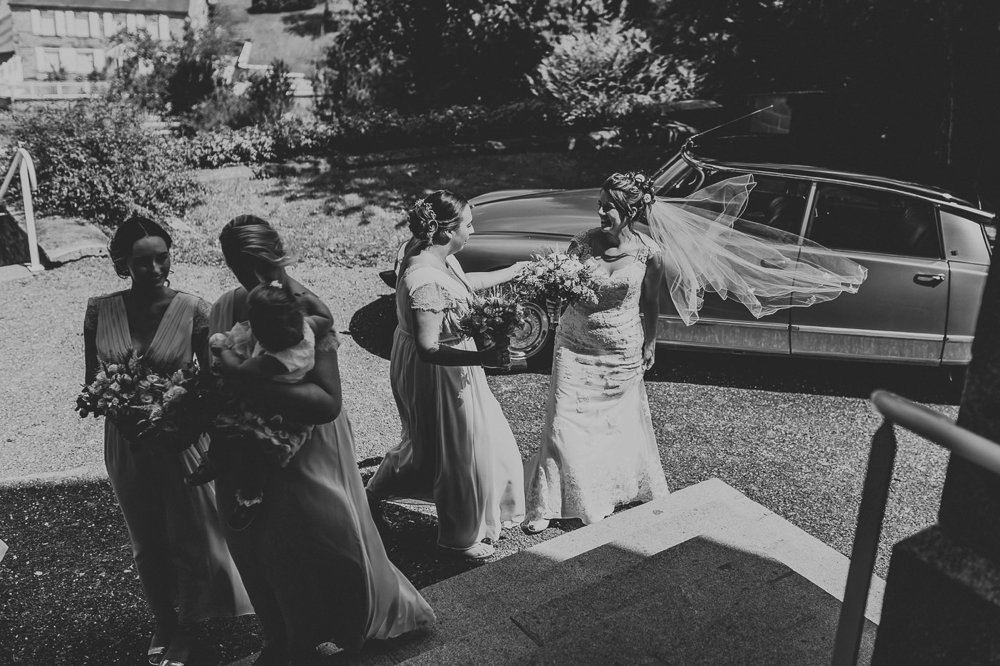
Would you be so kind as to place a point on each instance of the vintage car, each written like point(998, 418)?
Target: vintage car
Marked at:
point(927, 249)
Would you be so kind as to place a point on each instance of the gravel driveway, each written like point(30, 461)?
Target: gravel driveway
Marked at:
point(792, 435)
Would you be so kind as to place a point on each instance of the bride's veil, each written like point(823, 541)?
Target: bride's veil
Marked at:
point(705, 246)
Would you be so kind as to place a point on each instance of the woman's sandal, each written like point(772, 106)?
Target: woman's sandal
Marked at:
point(535, 526)
point(179, 651)
point(158, 643)
point(477, 551)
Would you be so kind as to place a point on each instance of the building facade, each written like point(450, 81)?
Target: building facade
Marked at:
point(66, 39)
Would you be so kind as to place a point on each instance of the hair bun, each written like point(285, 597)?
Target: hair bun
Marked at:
point(423, 221)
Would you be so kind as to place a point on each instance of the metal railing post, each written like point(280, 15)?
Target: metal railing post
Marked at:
point(927, 424)
point(29, 183)
point(870, 516)
point(22, 164)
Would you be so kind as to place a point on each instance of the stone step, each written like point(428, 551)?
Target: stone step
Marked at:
point(700, 602)
point(476, 606)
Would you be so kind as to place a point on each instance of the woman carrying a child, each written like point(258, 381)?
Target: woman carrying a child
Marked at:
point(311, 558)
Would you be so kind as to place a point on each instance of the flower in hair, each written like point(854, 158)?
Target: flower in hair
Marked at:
point(426, 209)
point(275, 283)
point(647, 198)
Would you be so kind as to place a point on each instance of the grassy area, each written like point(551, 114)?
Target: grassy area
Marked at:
point(290, 36)
point(355, 217)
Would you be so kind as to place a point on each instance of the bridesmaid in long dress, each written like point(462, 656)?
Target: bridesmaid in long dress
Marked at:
point(312, 560)
point(177, 542)
point(457, 449)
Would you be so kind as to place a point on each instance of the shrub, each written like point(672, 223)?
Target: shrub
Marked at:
point(270, 94)
point(225, 146)
point(223, 108)
point(436, 53)
point(261, 6)
point(603, 75)
point(388, 129)
point(95, 160)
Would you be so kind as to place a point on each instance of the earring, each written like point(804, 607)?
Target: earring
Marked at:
point(166, 283)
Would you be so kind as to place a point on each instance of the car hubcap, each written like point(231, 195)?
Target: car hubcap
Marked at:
point(530, 337)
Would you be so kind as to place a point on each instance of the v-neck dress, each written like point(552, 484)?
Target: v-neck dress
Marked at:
point(312, 559)
point(177, 542)
point(457, 448)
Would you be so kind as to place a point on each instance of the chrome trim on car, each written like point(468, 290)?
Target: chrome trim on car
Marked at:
point(867, 332)
point(704, 321)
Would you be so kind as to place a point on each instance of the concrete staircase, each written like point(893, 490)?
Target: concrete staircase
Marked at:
point(704, 576)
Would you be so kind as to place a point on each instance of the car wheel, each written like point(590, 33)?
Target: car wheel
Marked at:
point(533, 340)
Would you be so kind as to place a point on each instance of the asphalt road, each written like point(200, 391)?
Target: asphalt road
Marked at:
point(792, 435)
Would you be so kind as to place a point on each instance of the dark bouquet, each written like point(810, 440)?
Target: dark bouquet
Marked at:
point(493, 316)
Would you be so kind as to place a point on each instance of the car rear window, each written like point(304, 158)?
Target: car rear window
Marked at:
point(868, 220)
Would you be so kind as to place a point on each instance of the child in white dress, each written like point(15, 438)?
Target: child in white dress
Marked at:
point(278, 344)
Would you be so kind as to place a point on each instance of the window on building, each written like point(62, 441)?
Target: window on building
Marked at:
point(81, 25)
point(49, 63)
point(47, 23)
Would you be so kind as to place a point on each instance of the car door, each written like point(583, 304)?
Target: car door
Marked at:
point(900, 311)
point(775, 202)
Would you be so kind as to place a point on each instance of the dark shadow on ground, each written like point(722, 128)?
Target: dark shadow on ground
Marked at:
point(806, 375)
point(372, 326)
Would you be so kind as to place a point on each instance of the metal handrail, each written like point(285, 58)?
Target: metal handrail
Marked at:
point(928, 424)
point(22, 164)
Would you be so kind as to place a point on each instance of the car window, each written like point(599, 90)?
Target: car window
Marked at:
point(778, 203)
point(855, 218)
point(678, 179)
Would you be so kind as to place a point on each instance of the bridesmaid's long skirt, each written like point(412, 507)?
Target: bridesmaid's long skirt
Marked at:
point(456, 450)
point(312, 560)
point(177, 540)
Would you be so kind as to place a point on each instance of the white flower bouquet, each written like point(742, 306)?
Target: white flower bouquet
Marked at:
point(558, 277)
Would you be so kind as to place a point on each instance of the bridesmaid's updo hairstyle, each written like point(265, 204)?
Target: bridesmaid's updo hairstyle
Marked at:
point(439, 212)
point(249, 237)
point(630, 192)
point(127, 234)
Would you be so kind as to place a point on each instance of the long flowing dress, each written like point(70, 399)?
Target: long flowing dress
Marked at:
point(457, 448)
point(598, 448)
point(177, 542)
point(312, 559)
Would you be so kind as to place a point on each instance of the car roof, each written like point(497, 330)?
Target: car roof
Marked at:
point(784, 153)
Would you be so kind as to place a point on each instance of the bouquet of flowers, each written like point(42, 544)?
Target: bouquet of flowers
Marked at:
point(236, 419)
point(145, 403)
point(557, 276)
point(493, 316)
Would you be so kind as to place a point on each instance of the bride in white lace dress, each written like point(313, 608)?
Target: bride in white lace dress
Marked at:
point(598, 448)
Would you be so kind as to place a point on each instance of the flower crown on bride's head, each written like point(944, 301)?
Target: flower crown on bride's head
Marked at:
point(645, 184)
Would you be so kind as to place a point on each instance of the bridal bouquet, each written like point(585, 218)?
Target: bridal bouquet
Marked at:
point(557, 276)
point(145, 403)
point(493, 316)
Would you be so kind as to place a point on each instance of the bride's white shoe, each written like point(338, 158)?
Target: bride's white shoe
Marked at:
point(535, 526)
point(477, 551)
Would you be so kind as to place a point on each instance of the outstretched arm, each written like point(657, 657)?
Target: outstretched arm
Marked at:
point(486, 279)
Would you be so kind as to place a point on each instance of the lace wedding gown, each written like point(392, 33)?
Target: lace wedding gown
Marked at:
point(598, 448)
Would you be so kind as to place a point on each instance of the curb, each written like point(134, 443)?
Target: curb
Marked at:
point(53, 478)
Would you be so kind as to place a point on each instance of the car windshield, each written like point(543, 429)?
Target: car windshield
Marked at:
point(677, 178)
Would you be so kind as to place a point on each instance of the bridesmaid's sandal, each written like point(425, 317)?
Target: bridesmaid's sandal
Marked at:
point(535, 526)
point(179, 651)
point(244, 512)
point(158, 642)
point(477, 551)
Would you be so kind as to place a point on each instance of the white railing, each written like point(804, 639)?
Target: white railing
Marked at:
point(22, 164)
